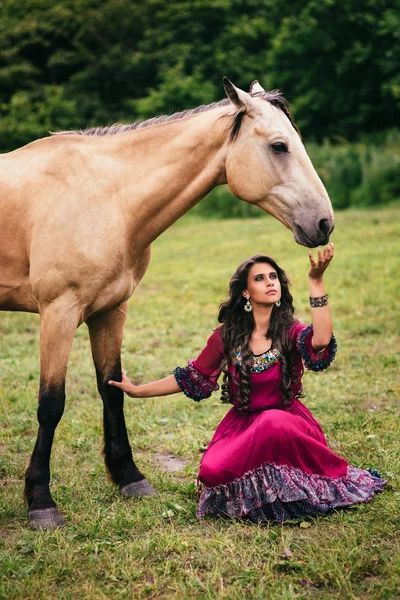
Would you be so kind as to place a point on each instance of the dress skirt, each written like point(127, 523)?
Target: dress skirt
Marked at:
point(276, 465)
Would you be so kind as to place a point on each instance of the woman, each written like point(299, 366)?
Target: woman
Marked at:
point(268, 459)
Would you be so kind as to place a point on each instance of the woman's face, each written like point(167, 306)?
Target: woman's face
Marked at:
point(263, 285)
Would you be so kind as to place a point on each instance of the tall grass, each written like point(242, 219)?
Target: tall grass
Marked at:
point(154, 547)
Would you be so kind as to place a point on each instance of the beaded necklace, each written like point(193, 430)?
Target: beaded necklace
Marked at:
point(260, 362)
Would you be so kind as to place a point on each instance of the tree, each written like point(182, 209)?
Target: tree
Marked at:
point(79, 63)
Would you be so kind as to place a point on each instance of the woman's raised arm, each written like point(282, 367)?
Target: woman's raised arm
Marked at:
point(320, 312)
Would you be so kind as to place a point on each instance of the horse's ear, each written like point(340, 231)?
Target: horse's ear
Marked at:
point(256, 87)
point(242, 100)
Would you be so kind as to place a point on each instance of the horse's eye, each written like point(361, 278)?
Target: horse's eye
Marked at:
point(279, 148)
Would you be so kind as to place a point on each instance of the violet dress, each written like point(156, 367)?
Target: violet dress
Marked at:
point(271, 463)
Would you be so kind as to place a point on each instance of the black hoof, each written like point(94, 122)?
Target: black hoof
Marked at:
point(46, 518)
point(138, 488)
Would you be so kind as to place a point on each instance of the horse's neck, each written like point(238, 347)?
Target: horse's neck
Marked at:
point(172, 167)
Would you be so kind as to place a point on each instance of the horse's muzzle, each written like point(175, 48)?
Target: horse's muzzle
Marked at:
point(318, 237)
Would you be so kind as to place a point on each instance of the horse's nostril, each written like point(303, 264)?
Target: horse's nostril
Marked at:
point(324, 226)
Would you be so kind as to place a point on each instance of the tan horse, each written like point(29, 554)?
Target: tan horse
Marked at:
point(79, 213)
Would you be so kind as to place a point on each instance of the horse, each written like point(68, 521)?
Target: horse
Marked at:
point(80, 210)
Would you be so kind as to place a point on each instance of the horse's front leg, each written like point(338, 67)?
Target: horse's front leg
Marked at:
point(58, 323)
point(106, 339)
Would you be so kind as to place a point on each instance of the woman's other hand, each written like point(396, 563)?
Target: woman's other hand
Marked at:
point(125, 385)
point(318, 267)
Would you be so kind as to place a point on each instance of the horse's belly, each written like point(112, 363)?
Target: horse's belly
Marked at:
point(15, 287)
point(17, 295)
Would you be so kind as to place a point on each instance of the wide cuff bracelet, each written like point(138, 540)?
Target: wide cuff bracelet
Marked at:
point(320, 301)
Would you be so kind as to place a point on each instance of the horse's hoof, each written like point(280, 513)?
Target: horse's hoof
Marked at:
point(46, 518)
point(138, 488)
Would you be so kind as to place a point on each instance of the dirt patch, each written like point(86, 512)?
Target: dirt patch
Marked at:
point(172, 463)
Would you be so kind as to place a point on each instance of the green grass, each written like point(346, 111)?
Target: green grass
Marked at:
point(117, 549)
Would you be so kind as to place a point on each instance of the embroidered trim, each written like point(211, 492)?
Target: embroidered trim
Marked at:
point(262, 362)
point(281, 491)
point(193, 384)
point(315, 361)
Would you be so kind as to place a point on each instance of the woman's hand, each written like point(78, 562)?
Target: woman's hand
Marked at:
point(318, 267)
point(162, 387)
point(125, 385)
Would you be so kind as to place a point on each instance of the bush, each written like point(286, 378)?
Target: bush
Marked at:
point(366, 173)
point(31, 115)
point(340, 170)
point(222, 204)
point(381, 178)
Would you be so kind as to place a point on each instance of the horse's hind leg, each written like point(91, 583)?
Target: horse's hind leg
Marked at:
point(105, 332)
point(57, 328)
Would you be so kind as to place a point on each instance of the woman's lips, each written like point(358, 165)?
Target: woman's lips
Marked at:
point(271, 292)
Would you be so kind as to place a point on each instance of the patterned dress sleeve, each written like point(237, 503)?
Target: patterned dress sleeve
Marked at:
point(313, 360)
point(199, 379)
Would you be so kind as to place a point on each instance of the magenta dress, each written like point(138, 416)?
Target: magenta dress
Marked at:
point(271, 463)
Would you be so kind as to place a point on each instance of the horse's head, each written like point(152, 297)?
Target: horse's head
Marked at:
point(267, 165)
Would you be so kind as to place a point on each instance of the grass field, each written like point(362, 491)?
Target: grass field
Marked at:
point(154, 547)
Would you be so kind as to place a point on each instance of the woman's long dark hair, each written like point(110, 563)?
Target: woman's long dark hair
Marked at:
point(238, 325)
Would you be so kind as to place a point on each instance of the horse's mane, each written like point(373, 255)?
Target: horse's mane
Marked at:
point(274, 97)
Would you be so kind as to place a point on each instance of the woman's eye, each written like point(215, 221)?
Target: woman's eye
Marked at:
point(259, 278)
point(273, 276)
point(279, 148)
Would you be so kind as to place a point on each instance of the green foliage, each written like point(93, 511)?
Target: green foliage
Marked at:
point(381, 178)
point(366, 173)
point(222, 204)
point(32, 115)
point(190, 89)
point(78, 63)
point(338, 64)
point(154, 547)
point(340, 169)
point(124, 60)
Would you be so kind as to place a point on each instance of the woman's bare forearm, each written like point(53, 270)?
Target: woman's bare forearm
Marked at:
point(162, 387)
point(320, 311)
point(321, 317)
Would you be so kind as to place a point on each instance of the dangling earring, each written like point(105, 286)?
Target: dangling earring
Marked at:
point(248, 307)
point(277, 303)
